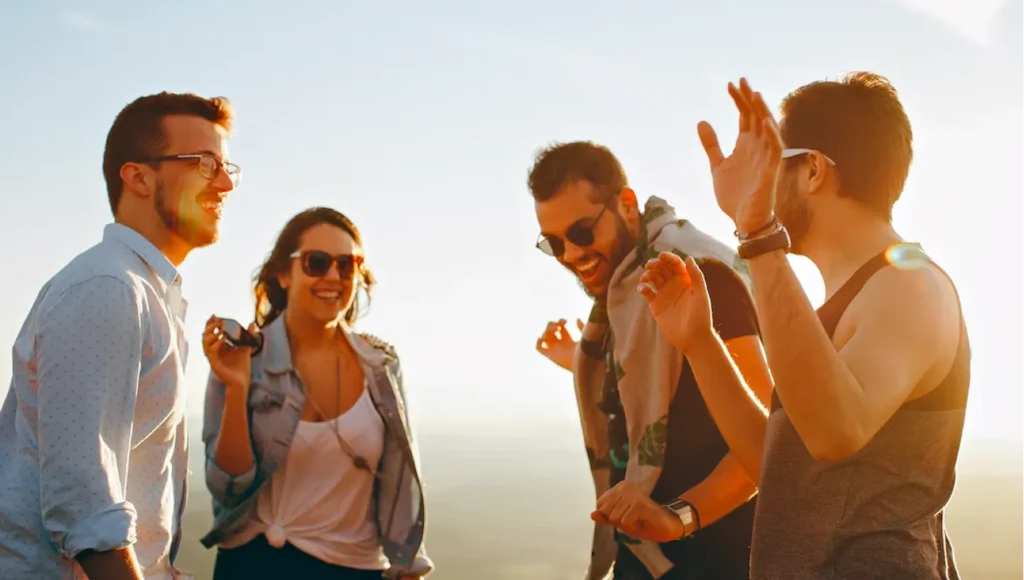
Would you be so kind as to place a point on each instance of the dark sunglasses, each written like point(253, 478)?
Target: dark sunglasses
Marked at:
point(579, 233)
point(317, 263)
point(236, 335)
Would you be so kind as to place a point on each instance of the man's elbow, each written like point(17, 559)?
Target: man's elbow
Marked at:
point(103, 530)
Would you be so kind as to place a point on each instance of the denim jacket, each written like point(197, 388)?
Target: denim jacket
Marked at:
point(276, 401)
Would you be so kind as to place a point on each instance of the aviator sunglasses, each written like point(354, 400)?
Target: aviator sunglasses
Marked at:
point(317, 263)
point(581, 234)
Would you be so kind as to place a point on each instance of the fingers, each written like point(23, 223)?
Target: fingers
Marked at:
point(555, 333)
point(709, 141)
point(580, 324)
point(694, 274)
point(742, 105)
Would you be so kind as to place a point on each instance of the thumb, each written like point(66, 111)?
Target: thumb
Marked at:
point(579, 324)
point(696, 276)
point(710, 142)
point(253, 328)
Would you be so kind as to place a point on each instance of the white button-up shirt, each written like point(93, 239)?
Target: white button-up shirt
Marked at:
point(93, 443)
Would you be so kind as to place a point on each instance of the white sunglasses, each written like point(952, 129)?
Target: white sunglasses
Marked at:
point(787, 153)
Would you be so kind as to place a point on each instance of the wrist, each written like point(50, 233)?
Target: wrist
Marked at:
point(752, 228)
point(236, 387)
point(705, 341)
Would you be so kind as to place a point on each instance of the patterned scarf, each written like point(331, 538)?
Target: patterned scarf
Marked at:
point(626, 376)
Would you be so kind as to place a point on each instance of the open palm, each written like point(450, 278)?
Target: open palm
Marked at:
point(678, 299)
point(745, 181)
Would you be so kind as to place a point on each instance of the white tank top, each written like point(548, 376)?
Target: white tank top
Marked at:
point(317, 500)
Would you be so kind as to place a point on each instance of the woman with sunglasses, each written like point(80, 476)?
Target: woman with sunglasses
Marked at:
point(309, 453)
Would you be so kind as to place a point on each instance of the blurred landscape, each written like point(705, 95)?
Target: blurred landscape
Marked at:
point(510, 506)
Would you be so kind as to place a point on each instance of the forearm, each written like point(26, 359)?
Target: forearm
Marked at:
point(111, 565)
point(233, 452)
point(725, 489)
point(740, 417)
point(815, 386)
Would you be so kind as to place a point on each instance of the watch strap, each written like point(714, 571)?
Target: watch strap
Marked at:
point(685, 511)
point(776, 240)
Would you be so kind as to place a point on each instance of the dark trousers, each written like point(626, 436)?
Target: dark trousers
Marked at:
point(258, 559)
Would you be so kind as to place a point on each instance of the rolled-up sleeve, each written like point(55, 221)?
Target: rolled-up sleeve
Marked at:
point(88, 356)
point(228, 490)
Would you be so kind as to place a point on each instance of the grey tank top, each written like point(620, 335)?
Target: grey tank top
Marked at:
point(877, 514)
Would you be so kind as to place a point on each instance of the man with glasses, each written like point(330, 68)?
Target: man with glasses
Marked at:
point(856, 455)
point(655, 454)
point(93, 441)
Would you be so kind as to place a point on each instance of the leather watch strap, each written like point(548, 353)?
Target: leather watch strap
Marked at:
point(777, 240)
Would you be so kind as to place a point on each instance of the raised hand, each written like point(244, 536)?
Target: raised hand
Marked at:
point(678, 299)
point(557, 344)
point(745, 181)
point(230, 364)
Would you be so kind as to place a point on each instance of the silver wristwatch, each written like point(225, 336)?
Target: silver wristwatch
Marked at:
point(686, 514)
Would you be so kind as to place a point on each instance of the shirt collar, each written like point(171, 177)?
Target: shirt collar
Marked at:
point(154, 258)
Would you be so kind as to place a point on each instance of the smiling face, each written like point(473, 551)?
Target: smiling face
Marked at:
point(589, 238)
point(314, 284)
point(189, 203)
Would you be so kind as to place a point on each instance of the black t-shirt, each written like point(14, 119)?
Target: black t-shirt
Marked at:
point(694, 447)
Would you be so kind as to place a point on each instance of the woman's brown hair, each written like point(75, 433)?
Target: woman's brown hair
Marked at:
point(271, 298)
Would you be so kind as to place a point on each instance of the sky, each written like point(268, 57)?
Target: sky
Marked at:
point(420, 121)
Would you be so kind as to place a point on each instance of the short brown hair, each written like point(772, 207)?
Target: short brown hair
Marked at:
point(860, 124)
point(137, 132)
point(561, 164)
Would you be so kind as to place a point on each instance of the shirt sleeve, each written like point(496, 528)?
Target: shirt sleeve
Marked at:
point(732, 309)
point(88, 356)
point(226, 489)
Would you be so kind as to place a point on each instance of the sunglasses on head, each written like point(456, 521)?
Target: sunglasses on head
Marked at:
point(317, 263)
point(580, 234)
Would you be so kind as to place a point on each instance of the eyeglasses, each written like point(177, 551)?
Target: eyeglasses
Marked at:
point(209, 166)
point(317, 263)
point(579, 233)
point(790, 153)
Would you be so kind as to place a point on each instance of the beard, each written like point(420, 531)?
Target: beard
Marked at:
point(186, 225)
point(794, 212)
point(624, 242)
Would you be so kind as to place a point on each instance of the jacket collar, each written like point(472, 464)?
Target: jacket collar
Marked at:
point(279, 352)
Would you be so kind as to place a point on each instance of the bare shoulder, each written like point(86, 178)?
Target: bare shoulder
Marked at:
point(913, 303)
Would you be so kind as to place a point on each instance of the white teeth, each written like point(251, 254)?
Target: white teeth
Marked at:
point(587, 267)
point(324, 295)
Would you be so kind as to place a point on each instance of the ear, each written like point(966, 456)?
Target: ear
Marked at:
point(629, 209)
point(817, 172)
point(138, 178)
point(284, 280)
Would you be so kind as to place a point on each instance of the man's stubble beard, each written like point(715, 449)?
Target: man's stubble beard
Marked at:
point(194, 233)
point(793, 212)
point(624, 242)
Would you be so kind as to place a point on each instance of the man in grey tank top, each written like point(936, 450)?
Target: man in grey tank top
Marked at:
point(856, 456)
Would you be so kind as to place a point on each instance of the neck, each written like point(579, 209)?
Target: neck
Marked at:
point(844, 239)
point(169, 244)
point(306, 333)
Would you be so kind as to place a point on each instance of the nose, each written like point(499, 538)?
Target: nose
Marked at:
point(332, 274)
point(572, 252)
point(223, 182)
